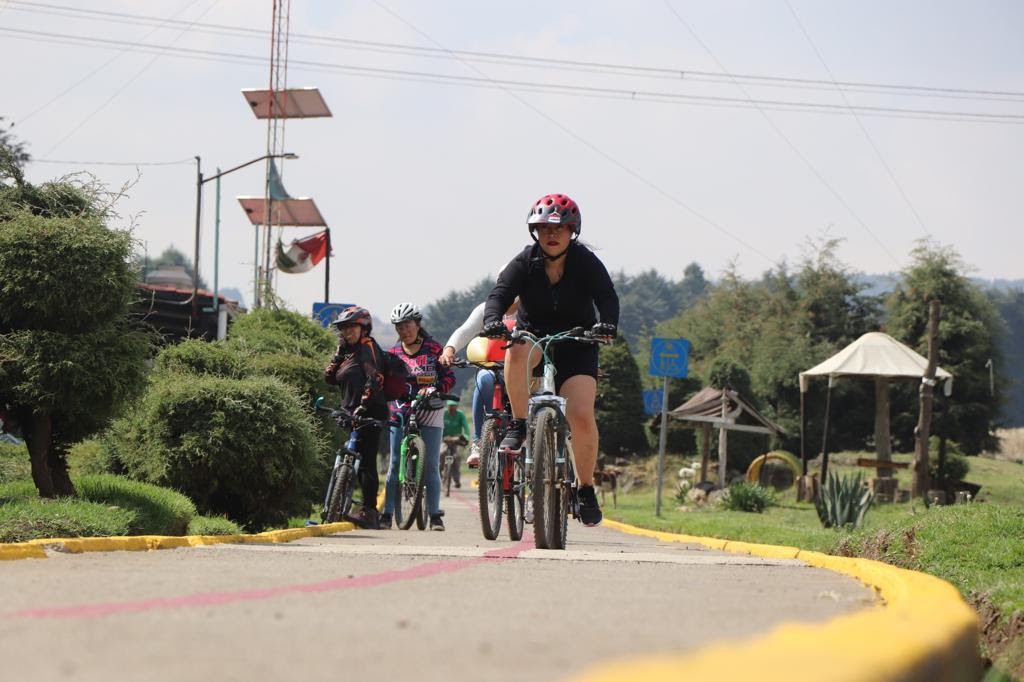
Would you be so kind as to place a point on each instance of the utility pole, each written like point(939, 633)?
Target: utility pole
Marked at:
point(919, 487)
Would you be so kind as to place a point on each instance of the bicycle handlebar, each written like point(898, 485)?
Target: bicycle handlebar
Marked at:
point(491, 365)
point(342, 413)
point(577, 334)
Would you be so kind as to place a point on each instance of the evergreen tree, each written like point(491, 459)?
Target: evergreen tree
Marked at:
point(620, 407)
point(1011, 309)
point(969, 334)
point(70, 356)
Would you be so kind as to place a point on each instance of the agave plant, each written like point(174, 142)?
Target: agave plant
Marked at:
point(842, 502)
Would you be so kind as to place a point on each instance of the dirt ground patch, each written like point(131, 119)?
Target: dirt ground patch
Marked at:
point(1002, 636)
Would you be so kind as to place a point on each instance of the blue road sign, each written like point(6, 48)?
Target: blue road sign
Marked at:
point(652, 401)
point(670, 358)
point(324, 313)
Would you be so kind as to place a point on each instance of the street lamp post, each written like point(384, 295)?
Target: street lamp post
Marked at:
point(200, 181)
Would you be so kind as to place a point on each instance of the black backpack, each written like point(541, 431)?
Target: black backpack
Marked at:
point(394, 375)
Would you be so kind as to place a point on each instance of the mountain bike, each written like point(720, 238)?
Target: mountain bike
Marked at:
point(549, 458)
point(503, 479)
point(411, 506)
point(338, 501)
point(449, 461)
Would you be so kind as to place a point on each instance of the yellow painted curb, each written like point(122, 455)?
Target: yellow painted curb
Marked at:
point(36, 549)
point(925, 631)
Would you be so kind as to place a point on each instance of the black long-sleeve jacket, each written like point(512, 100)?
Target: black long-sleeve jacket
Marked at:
point(357, 373)
point(546, 308)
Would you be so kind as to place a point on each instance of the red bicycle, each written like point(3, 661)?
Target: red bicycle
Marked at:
point(503, 479)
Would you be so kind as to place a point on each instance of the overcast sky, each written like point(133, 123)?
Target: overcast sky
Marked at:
point(426, 185)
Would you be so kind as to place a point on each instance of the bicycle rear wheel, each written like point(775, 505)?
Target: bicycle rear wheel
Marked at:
point(421, 512)
point(545, 480)
point(566, 495)
point(489, 479)
point(410, 491)
point(446, 475)
point(516, 500)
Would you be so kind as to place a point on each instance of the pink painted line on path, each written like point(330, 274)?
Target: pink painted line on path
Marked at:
point(208, 599)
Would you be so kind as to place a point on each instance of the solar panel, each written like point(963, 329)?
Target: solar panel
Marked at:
point(298, 212)
point(290, 103)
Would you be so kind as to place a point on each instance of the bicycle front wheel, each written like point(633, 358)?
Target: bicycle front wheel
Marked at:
point(490, 478)
point(341, 490)
point(546, 481)
point(410, 490)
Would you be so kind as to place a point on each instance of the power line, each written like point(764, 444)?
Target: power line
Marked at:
point(123, 86)
point(678, 74)
point(552, 88)
point(785, 138)
point(114, 163)
point(579, 138)
point(860, 124)
point(160, 24)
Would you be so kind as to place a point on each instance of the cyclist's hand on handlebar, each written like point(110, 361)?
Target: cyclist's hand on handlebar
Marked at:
point(427, 391)
point(604, 331)
point(359, 412)
point(447, 356)
point(495, 330)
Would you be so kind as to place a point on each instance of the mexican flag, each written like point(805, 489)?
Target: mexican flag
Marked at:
point(302, 254)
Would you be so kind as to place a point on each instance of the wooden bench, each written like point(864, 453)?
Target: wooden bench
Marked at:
point(880, 464)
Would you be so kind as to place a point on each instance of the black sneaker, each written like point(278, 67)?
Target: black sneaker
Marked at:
point(436, 523)
point(514, 437)
point(384, 521)
point(590, 512)
point(366, 518)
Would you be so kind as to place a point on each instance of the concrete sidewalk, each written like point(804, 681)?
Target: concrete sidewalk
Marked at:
point(384, 604)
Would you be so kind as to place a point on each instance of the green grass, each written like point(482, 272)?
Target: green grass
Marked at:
point(29, 519)
point(977, 547)
point(213, 525)
point(153, 510)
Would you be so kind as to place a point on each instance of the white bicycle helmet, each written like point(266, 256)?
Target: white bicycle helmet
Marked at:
point(405, 311)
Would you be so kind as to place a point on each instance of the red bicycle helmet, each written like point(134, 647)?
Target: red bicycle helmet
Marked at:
point(556, 209)
point(354, 315)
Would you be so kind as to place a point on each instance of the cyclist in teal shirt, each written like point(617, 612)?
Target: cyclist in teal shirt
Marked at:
point(455, 425)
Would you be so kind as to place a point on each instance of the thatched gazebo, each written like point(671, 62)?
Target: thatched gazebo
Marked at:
point(874, 356)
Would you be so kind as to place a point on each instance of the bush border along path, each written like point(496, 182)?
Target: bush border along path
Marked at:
point(36, 549)
point(925, 631)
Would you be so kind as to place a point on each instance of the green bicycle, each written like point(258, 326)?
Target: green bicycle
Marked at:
point(411, 506)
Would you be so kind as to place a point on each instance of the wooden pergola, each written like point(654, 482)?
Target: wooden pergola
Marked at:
point(725, 410)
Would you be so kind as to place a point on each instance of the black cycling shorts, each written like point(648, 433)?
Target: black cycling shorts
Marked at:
point(571, 359)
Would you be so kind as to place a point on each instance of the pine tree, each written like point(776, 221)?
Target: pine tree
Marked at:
point(620, 405)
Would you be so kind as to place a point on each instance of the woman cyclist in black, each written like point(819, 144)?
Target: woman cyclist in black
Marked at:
point(559, 282)
point(356, 370)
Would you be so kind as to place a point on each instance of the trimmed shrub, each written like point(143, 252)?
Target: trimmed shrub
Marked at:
point(281, 331)
point(159, 511)
point(304, 374)
point(32, 518)
point(194, 356)
point(14, 462)
point(88, 457)
point(957, 465)
point(213, 525)
point(748, 497)
point(244, 448)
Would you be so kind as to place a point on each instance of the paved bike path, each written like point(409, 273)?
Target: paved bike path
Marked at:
point(379, 604)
